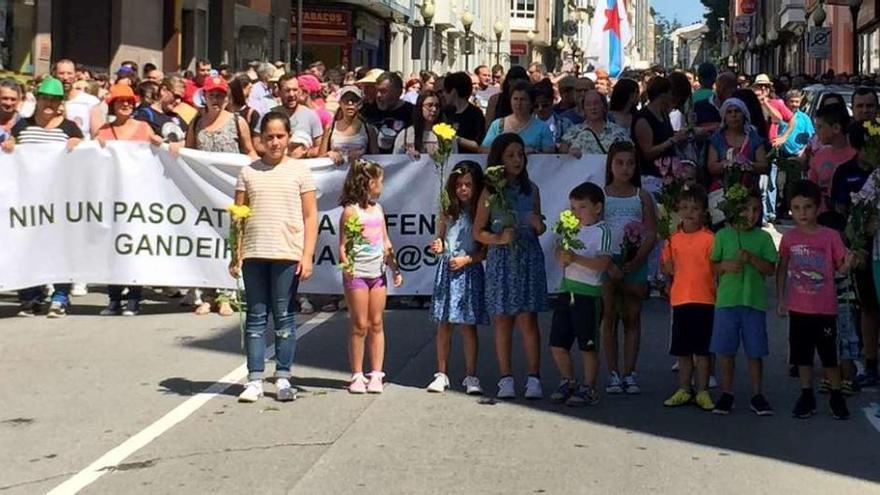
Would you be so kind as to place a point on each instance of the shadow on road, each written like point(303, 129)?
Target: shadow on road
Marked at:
point(845, 447)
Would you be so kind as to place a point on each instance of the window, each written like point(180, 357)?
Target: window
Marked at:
point(522, 9)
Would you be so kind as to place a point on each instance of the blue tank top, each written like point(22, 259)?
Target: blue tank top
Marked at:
point(459, 236)
point(522, 205)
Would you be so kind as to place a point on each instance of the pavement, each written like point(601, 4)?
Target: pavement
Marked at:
point(113, 405)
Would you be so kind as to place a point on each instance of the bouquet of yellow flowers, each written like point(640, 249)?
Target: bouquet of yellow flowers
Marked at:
point(872, 142)
point(445, 136)
point(354, 237)
point(567, 228)
point(735, 198)
point(238, 214)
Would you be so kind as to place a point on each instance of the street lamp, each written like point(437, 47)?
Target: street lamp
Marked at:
point(530, 36)
point(854, 7)
point(819, 15)
point(428, 16)
point(467, 20)
point(498, 27)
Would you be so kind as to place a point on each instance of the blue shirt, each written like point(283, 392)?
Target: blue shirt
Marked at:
point(536, 135)
point(800, 136)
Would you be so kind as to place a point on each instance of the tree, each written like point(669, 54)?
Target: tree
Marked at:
point(716, 9)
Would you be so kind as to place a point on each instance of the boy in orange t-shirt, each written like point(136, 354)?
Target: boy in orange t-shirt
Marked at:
point(685, 258)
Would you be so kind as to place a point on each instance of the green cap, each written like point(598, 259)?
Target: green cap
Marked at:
point(51, 87)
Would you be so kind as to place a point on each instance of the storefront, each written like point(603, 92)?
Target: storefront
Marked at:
point(341, 36)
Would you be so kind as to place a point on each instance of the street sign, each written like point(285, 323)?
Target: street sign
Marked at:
point(570, 28)
point(819, 42)
point(748, 6)
point(742, 27)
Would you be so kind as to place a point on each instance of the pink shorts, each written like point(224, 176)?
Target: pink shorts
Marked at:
point(356, 283)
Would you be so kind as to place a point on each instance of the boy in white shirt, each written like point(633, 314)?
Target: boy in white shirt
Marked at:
point(578, 311)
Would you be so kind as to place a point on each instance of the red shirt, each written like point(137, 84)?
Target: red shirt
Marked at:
point(784, 111)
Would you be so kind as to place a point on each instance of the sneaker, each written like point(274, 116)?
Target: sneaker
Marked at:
point(837, 403)
point(358, 384)
point(114, 308)
point(724, 404)
point(713, 382)
point(584, 395)
point(472, 385)
point(849, 388)
point(253, 390)
point(284, 392)
point(824, 386)
point(29, 309)
point(375, 386)
point(681, 397)
point(704, 401)
point(615, 386)
point(533, 388)
point(867, 379)
point(57, 310)
point(440, 383)
point(305, 306)
point(79, 290)
point(760, 406)
point(132, 308)
point(565, 389)
point(506, 388)
point(805, 405)
point(630, 386)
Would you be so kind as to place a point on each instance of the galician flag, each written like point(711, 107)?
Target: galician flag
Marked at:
point(610, 36)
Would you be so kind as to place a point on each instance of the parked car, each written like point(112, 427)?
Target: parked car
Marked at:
point(815, 94)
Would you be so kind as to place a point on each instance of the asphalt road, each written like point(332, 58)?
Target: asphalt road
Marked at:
point(90, 388)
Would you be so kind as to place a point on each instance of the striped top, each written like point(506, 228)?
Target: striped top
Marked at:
point(579, 279)
point(27, 131)
point(275, 229)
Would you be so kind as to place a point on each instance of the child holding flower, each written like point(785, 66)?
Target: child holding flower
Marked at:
point(629, 214)
point(743, 256)
point(363, 280)
point(459, 298)
point(584, 251)
point(274, 251)
point(509, 221)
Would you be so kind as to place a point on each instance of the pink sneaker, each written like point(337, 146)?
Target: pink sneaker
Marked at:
point(375, 385)
point(358, 384)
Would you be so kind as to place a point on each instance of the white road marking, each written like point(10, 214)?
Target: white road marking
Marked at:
point(114, 457)
point(870, 413)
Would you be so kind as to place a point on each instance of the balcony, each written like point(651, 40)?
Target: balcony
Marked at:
point(791, 15)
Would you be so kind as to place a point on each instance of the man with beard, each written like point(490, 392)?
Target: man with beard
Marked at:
point(304, 122)
point(79, 106)
point(486, 89)
point(389, 114)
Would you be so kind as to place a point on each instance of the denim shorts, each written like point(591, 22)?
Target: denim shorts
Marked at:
point(640, 276)
point(849, 344)
point(740, 323)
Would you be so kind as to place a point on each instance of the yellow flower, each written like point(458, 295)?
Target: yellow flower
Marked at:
point(444, 131)
point(568, 220)
point(239, 212)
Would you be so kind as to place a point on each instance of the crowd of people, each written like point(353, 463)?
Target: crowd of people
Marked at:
point(713, 269)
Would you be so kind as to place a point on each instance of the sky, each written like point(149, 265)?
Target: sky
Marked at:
point(687, 11)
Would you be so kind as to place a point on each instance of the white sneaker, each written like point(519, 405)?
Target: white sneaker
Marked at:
point(533, 388)
point(713, 382)
point(253, 390)
point(472, 385)
point(284, 392)
point(79, 290)
point(440, 383)
point(506, 388)
point(615, 386)
point(630, 385)
point(305, 306)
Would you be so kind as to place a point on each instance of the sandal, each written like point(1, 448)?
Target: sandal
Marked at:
point(225, 309)
point(203, 309)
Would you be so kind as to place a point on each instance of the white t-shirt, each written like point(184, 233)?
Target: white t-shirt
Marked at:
point(304, 122)
point(78, 109)
point(597, 242)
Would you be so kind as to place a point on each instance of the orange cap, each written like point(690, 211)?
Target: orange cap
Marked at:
point(121, 92)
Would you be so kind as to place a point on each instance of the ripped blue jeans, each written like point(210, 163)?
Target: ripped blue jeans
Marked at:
point(270, 285)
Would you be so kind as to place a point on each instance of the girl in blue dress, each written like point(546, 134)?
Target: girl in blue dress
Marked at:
point(516, 282)
point(459, 298)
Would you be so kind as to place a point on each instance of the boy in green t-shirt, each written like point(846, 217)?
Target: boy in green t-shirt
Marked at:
point(743, 256)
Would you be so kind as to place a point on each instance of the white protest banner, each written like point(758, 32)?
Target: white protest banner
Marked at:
point(132, 214)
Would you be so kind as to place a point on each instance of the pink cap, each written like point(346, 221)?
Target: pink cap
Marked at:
point(309, 83)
